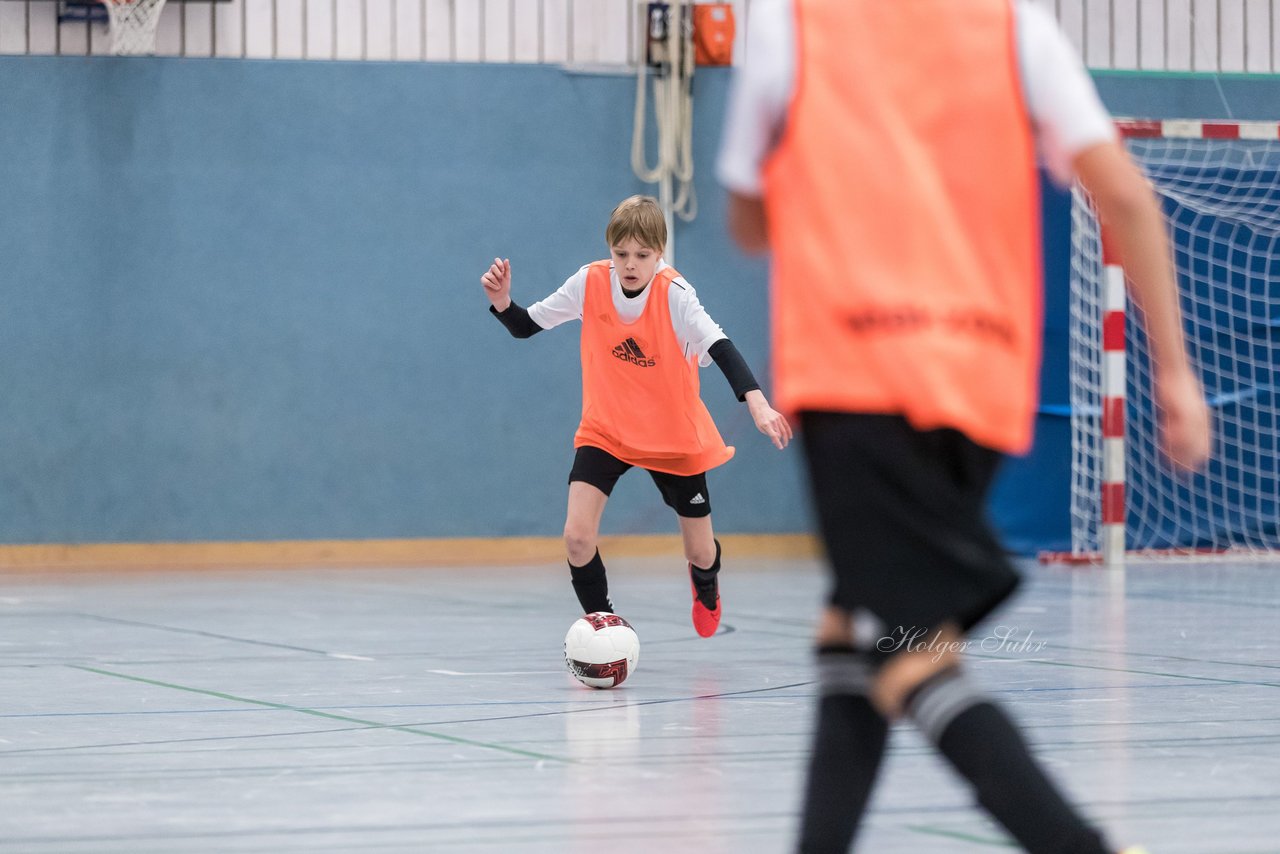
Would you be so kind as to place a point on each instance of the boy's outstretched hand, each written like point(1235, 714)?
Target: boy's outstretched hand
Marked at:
point(768, 420)
point(497, 283)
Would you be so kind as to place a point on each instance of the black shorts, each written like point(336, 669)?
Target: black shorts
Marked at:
point(685, 494)
point(902, 513)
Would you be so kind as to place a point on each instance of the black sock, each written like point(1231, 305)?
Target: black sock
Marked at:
point(590, 584)
point(980, 742)
point(848, 744)
point(704, 581)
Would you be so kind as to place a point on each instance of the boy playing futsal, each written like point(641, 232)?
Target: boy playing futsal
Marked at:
point(644, 335)
point(884, 153)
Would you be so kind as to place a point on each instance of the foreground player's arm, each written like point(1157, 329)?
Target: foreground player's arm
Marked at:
point(759, 98)
point(1077, 137)
point(747, 223)
point(1129, 212)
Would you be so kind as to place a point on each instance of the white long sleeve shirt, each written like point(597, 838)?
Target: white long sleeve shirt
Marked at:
point(694, 328)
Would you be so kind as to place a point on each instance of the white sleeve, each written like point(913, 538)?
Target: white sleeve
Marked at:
point(1061, 99)
point(695, 330)
point(563, 305)
point(759, 97)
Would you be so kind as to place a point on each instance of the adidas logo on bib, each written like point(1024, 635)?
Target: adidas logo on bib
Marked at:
point(629, 351)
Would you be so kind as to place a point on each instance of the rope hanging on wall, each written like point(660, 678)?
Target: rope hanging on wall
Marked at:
point(666, 55)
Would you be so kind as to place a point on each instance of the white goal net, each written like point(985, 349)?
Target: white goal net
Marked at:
point(1219, 184)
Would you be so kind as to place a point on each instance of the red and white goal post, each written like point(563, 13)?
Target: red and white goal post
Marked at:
point(1219, 185)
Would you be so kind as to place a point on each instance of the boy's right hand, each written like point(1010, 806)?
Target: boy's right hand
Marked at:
point(497, 283)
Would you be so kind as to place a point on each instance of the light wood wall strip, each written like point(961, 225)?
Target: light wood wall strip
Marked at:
point(367, 553)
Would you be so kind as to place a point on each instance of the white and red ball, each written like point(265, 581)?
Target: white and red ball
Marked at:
point(601, 650)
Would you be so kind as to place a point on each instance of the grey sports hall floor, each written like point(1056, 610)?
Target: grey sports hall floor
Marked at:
point(428, 711)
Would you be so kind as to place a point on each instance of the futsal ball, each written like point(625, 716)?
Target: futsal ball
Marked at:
point(601, 650)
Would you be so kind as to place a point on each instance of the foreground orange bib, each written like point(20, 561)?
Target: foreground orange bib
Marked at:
point(639, 393)
point(903, 207)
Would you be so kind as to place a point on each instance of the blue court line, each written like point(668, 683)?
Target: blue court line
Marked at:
point(595, 706)
point(1059, 747)
point(726, 695)
point(1160, 655)
point(1204, 597)
point(967, 806)
point(1201, 599)
point(1187, 677)
point(654, 826)
point(143, 712)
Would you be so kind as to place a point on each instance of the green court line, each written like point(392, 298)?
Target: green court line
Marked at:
point(988, 841)
point(284, 707)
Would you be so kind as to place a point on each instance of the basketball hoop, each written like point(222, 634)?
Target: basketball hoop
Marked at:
point(132, 24)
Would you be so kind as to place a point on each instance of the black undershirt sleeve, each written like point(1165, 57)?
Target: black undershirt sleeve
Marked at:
point(735, 368)
point(517, 320)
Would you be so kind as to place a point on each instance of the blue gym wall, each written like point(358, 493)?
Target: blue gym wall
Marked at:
point(240, 300)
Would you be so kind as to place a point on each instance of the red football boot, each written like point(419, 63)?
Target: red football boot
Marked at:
point(705, 620)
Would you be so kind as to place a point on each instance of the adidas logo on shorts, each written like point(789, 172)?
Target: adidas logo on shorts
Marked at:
point(698, 499)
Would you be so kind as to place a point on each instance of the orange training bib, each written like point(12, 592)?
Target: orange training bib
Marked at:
point(903, 205)
point(640, 397)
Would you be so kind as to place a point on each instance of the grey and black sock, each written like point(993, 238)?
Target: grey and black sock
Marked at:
point(848, 744)
point(984, 745)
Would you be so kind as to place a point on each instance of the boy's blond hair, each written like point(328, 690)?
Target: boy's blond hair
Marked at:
point(638, 217)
